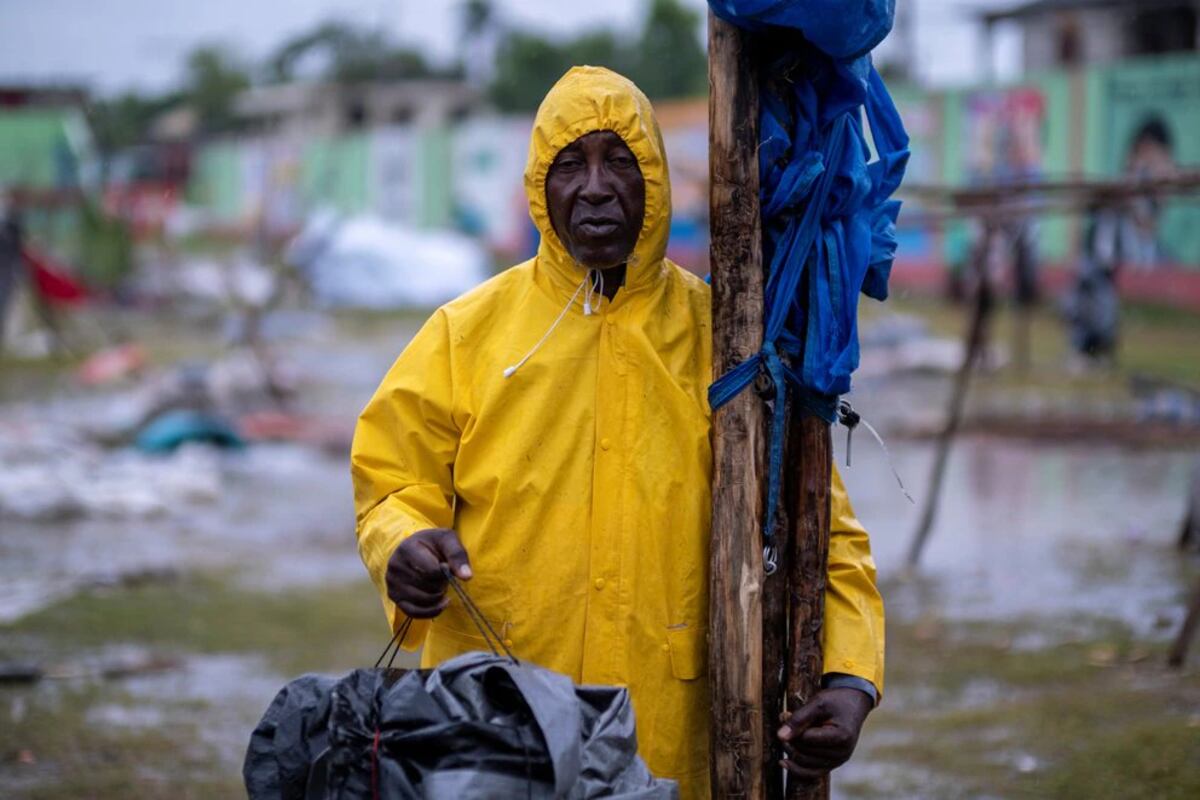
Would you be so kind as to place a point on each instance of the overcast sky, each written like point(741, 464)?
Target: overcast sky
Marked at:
point(112, 45)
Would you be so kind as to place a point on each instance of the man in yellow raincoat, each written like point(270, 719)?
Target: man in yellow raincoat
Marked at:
point(547, 436)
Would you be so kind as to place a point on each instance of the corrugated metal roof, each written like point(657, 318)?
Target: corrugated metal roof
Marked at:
point(1038, 7)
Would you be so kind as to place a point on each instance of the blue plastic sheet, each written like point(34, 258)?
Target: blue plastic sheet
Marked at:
point(842, 29)
point(828, 217)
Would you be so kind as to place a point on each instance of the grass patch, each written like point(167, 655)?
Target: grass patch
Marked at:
point(171, 753)
point(73, 756)
point(1097, 717)
point(325, 629)
point(1156, 342)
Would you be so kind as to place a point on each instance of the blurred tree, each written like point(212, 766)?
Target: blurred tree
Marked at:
point(124, 120)
point(479, 31)
point(669, 60)
point(212, 79)
point(339, 51)
point(527, 65)
point(477, 16)
point(666, 58)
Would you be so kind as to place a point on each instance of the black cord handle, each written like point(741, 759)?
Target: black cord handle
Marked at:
point(397, 640)
point(481, 622)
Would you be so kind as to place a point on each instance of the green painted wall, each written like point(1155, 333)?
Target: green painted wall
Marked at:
point(36, 148)
point(436, 205)
point(216, 182)
point(333, 173)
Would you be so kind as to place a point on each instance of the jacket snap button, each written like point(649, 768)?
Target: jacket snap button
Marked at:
point(599, 583)
point(666, 648)
point(605, 444)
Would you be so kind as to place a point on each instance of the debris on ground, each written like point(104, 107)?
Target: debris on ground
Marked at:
point(331, 435)
point(171, 429)
point(111, 365)
point(113, 667)
point(58, 475)
point(898, 344)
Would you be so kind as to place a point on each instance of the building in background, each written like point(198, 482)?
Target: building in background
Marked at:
point(45, 140)
point(314, 109)
point(382, 148)
point(1076, 33)
point(49, 174)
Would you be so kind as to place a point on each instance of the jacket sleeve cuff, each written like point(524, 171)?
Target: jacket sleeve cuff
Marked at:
point(840, 680)
point(378, 536)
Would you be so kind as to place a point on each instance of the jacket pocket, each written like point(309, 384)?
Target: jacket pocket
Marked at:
point(444, 643)
point(689, 652)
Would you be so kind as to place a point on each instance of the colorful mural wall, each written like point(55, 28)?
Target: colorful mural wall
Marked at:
point(1144, 118)
point(1139, 116)
point(1136, 117)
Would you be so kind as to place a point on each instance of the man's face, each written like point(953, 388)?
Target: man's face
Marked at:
point(597, 199)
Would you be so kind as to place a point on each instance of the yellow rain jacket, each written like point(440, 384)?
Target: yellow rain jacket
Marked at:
point(580, 485)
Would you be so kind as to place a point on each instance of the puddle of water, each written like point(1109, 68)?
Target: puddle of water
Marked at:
point(283, 512)
point(1027, 530)
point(1071, 536)
point(234, 692)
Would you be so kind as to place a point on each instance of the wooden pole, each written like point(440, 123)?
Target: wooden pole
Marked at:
point(776, 656)
point(976, 336)
point(735, 602)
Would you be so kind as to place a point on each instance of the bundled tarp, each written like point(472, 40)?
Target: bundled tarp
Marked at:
point(477, 726)
point(842, 29)
point(828, 220)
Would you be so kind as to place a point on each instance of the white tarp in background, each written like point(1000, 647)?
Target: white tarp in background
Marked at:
point(367, 262)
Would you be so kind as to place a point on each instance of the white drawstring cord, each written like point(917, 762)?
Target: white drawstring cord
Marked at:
point(510, 371)
point(888, 456)
point(595, 288)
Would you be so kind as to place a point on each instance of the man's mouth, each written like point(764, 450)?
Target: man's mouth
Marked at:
point(595, 227)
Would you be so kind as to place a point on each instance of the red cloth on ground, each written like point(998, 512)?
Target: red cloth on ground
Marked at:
point(52, 280)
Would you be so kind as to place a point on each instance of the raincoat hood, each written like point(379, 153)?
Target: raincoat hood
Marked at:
point(584, 100)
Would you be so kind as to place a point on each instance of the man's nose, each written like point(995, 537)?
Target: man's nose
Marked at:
point(597, 189)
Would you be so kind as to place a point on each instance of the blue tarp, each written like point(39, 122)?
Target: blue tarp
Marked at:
point(842, 29)
point(828, 220)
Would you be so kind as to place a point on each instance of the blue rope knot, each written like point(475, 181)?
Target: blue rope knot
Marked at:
point(777, 371)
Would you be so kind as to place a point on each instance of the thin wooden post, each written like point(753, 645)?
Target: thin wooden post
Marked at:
point(1189, 530)
point(973, 347)
point(735, 602)
point(1191, 621)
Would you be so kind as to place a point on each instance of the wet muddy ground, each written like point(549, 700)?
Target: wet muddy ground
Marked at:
point(1025, 659)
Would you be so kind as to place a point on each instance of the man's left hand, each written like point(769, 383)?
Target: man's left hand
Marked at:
point(821, 734)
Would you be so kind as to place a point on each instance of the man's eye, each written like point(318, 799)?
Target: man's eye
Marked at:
point(569, 164)
point(623, 162)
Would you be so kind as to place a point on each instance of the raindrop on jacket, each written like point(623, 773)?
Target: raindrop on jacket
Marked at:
point(580, 485)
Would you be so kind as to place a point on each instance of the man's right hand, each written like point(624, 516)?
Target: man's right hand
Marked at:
point(415, 582)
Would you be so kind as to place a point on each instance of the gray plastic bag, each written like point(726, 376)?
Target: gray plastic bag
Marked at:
point(478, 726)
